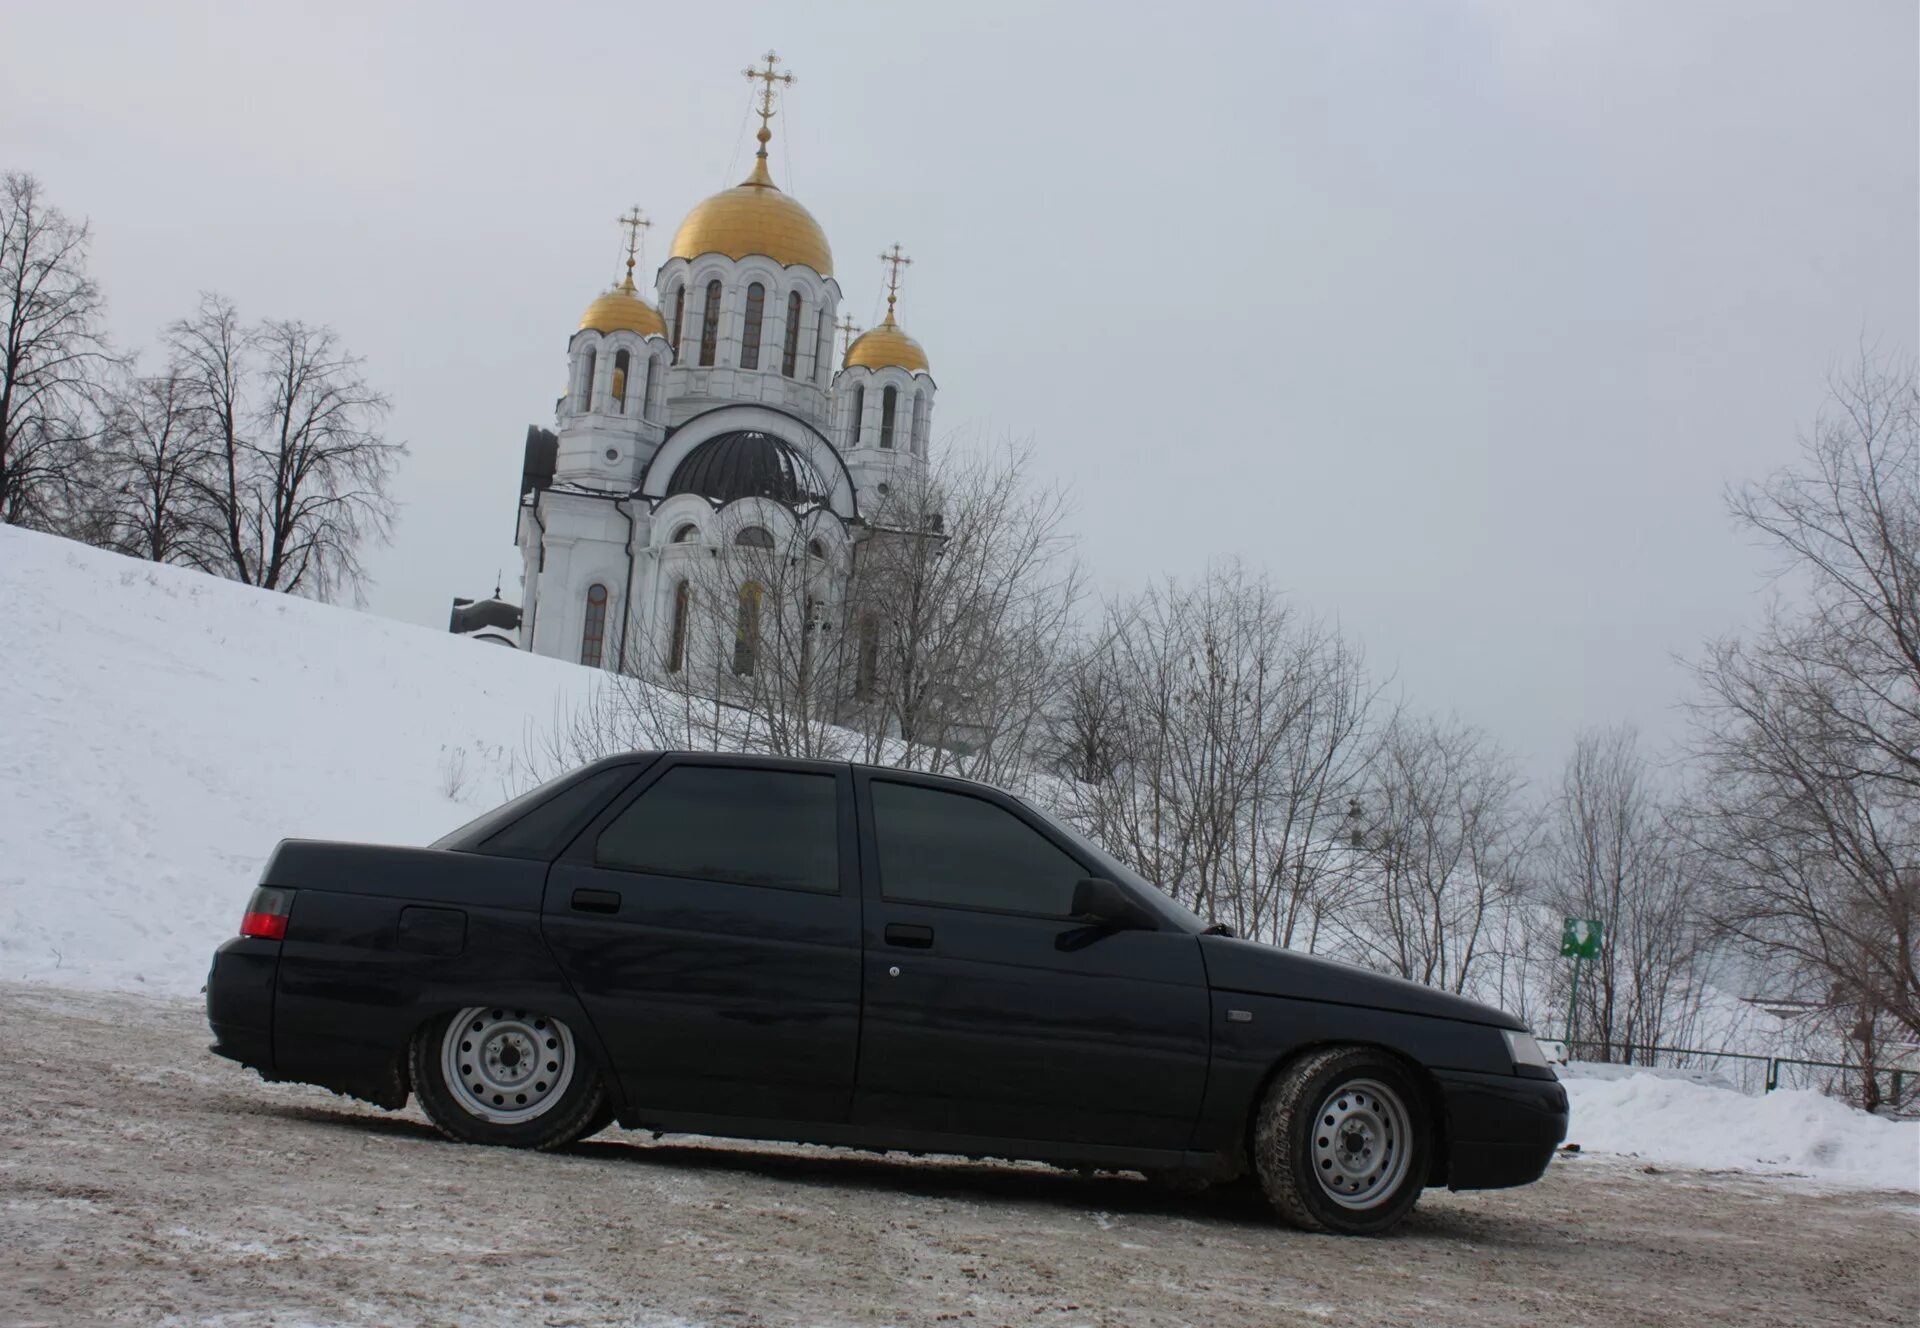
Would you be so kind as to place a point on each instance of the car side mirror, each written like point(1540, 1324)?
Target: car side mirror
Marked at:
point(1098, 900)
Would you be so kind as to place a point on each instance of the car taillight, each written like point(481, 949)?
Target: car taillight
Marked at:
point(266, 916)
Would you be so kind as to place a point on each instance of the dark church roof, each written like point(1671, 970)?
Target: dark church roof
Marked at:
point(749, 464)
point(470, 616)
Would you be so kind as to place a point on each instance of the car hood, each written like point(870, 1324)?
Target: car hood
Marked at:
point(1266, 970)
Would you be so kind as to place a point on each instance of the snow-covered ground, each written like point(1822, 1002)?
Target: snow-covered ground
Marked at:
point(161, 730)
point(1667, 1119)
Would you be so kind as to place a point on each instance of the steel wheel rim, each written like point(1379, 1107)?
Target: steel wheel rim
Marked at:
point(1361, 1144)
point(506, 1065)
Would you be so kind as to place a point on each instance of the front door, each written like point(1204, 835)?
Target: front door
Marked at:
point(989, 1011)
point(709, 921)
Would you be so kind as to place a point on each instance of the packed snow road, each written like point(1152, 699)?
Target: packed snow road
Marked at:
point(142, 1181)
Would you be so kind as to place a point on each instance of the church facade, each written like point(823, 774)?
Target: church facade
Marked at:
point(717, 426)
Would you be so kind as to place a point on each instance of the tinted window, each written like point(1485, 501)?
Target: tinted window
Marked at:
point(751, 827)
point(545, 830)
point(948, 848)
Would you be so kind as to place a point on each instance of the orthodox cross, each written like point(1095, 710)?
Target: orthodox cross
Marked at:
point(768, 78)
point(895, 260)
point(845, 325)
point(635, 222)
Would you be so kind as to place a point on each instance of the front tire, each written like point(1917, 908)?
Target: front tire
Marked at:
point(505, 1075)
point(1342, 1142)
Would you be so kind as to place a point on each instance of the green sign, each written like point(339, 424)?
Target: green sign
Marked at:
point(1580, 939)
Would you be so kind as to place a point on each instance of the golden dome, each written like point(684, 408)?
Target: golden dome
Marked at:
point(754, 217)
point(622, 310)
point(883, 346)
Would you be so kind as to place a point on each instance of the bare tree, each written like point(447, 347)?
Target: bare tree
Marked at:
point(1211, 735)
point(1440, 839)
point(1808, 734)
point(960, 603)
point(153, 473)
point(1610, 852)
point(298, 476)
point(53, 354)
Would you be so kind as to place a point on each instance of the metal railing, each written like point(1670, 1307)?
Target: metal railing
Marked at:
point(1756, 1074)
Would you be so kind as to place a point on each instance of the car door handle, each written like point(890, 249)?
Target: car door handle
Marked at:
point(596, 901)
point(910, 934)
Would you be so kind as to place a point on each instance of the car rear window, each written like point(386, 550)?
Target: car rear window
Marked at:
point(745, 827)
point(545, 829)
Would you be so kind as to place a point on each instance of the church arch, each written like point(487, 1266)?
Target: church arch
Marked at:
point(859, 414)
point(710, 324)
point(790, 350)
point(746, 628)
point(750, 330)
point(589, 366)
point(622, 361)
point(754, 537)
point(677, 300)
point(593, 629)
point(677, 634)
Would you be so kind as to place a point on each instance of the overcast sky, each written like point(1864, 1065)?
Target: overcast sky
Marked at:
point(1455, 317)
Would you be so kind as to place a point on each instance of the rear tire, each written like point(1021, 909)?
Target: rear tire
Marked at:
point(506, 1076)
point(1342, 1142)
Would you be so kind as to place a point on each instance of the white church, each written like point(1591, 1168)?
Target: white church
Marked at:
point(717, 423)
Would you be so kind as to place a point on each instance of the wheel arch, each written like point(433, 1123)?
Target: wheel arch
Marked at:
point(1433, 1100)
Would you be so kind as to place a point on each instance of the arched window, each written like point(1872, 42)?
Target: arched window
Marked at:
point(815, 549)
point(821, 364)
point(754, 537)
point(886, 416)
point(679, 318)
point(859, 411)
point(649, 402)
point(677, 642)
point(920, 423)
point(621, 361)
point(710, 324)
point(750, 335)
point(686, 534)
point(790, 354)
point(746, 628)
point(594, 632)
point(589, 363)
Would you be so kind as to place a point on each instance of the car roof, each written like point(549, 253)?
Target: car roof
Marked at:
point(806, 762)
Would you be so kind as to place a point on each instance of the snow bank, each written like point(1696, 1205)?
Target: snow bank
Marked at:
point(1701, 1127)
point(161, 730)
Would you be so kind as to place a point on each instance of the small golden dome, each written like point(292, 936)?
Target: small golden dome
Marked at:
point(622, 310)
point(883, 346)
point(754, 217)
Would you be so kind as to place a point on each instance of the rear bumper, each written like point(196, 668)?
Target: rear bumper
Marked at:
point(1501, 1129)
point(240, 1001)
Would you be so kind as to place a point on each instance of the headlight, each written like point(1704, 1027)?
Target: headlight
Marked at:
point(1525, 1051)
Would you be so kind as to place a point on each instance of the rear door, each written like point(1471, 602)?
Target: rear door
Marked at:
point(989, 1011)
point(709, 921)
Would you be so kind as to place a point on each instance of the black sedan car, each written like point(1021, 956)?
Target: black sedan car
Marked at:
point(837, 954)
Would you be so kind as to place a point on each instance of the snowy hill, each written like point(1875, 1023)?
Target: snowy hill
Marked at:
point(161, 730)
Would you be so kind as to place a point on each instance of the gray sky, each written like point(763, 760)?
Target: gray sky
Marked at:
point(1456, 317)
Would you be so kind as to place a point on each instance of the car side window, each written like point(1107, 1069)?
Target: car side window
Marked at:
point(938, 847)
point(716, 823)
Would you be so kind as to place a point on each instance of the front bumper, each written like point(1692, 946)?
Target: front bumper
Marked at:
point(1501, 1129)
point(240, 1001)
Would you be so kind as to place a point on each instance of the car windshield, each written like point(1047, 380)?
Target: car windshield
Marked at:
point(1119, 871)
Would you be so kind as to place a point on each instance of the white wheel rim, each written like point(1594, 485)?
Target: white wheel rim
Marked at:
point(505, 1065)
point(1361, 1144)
